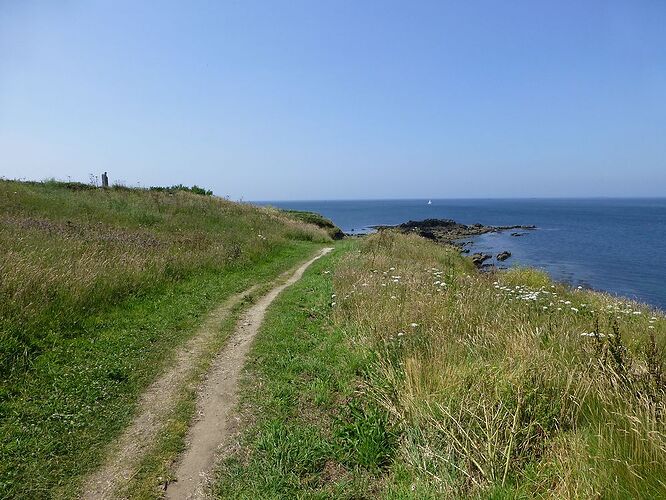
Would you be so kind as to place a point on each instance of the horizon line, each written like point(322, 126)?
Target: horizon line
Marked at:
point(598, 197)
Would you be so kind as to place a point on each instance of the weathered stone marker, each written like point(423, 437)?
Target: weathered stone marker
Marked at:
point(105, 180)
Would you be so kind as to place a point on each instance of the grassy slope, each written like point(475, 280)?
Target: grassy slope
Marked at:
point(98, 288)
point(481, 387)
point(318, 220)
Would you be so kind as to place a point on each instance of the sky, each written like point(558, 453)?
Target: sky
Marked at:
point(283, 100)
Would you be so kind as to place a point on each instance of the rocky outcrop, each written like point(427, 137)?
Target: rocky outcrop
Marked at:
point(449, 231)
point(479, 258)
point(503, 255)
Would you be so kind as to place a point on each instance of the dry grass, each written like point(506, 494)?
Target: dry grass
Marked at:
point(506, 384)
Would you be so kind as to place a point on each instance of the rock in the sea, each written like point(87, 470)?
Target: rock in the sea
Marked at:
point(517, 234)
point(426, 233)
point(447, 230)
point(503, 255)
point(479, 258)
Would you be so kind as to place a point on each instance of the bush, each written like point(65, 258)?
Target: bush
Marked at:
point(180, 187)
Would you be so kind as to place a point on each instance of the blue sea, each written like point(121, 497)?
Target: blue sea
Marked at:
point(614, 245)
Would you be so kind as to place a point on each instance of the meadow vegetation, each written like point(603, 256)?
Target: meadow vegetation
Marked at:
point(399, 371)
point(393, 369)
point(97, 289)
point(180, 187)
point(318, 220)
point(70, 253)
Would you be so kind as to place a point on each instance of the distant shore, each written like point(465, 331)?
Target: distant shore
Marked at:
point(450, 231)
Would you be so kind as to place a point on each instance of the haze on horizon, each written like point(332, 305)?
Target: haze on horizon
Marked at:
point(339, 100)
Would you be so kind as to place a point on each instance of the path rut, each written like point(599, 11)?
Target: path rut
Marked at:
point(217, 399)
point(155, 404)
point(162, 395)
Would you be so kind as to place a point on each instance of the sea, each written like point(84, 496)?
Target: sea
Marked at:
point(614, 245)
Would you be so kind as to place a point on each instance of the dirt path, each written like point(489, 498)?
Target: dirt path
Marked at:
point(155, 404)
point(218, 396)
point(161, 397)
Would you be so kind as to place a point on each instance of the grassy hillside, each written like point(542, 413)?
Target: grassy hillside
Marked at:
point(318, 220)
point(97, 289)
point(396, 370)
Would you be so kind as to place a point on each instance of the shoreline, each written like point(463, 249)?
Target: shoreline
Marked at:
point(451, 232)
point(606, 244)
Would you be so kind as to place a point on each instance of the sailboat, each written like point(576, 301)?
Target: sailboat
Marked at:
point(429, 202)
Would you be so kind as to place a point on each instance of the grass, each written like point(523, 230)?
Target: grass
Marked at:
point(305, 428)
point(98, 289)
point(411, 375)
point(393, 369)
point(156, 467)
point(318, 220)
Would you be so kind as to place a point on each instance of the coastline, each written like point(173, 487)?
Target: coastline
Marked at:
point(603, 244)
point(453, 233)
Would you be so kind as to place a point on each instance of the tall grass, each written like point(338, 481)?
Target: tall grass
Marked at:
point(505, 384)
point(98, 288)
point(69, 252)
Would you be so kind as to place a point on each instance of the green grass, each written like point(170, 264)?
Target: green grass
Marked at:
point(99, 288)
point(428, 379)
point(69, 253)
point(393, 369)
point(307, 435)
point(318, 220)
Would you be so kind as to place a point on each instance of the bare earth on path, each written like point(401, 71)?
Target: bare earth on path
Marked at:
point(162, 395)
point(217, 399)
point(153, 407)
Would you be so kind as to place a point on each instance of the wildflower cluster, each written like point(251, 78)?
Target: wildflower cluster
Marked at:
point(540, 296)
point(439, 283)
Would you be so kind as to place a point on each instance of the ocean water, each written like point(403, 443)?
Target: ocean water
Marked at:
point(614, 245)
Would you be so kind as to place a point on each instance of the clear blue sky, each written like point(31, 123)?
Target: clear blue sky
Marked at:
point(339, 99)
